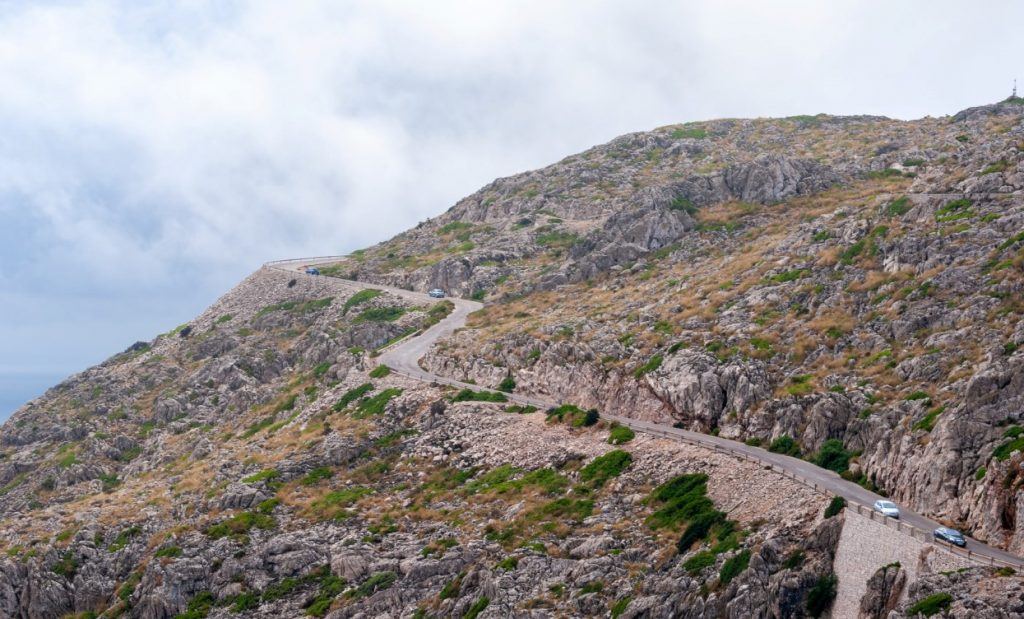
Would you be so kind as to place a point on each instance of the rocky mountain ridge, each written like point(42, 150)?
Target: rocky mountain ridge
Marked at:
point(845, 288)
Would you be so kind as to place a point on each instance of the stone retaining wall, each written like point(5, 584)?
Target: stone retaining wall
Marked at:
point(866, 545)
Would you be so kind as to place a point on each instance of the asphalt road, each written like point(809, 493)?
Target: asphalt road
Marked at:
point(403, 357)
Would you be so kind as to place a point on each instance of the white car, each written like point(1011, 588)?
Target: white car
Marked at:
point(887, 508)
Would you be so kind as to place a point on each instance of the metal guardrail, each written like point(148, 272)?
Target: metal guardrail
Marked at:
point(860, 508)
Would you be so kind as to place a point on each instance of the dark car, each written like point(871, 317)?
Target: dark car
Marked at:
point(312, 271)
point(950, 536)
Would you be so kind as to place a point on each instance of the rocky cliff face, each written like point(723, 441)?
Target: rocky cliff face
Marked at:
point(868, 295)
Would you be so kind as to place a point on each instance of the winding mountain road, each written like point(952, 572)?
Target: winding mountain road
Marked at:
point(403, 358)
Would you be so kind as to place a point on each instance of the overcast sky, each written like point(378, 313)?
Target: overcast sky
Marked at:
point(153, 154)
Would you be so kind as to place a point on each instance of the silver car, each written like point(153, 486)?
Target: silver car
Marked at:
point(437, 293)
point(887, 508)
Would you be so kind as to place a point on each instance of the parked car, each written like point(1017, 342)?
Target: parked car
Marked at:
point(951, 536)
point(437, 293)
point(887, 508)
point(312, 271)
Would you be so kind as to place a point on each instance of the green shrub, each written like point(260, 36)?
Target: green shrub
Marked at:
point(380, 314)
point(573, 415)
point(361, 297)
point(785, 445)
point(931, 605)
point(833, 456)
point(698, 562)
point(619, 606)
point(954, 210)
point(123, 538)
point(380, 371)
point(691, 133)
point(821, 595)
point(1003, 452)
point(927, 423)
point(468, 395)
point(836, 505)
point(264, 475)
point(378, 581)
point(198, 607)
point(593, 586)
point(680, 203)
point(980, 473)
point(66, 566)
point(507, 564)
point(898, 207)
point(330, 587)
point(605, 467)
point(734, 566)
point(451, 590)
point(374, 406)
point(999, 166)
point(507, 384)
point(620, 434)
point(332, 505)
point(240, 524)
point(478, 607)
point(652, 364)
point(317, 475)
point(351, 396)
point(525, 409)
point(168, 551)
point(793, 561)
point(245, 601)
point(698, 528)
point(565, 508)
point(788, 276)
point(507, 478)
point(800, 385)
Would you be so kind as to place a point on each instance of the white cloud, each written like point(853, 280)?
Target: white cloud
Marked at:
point(165, 149)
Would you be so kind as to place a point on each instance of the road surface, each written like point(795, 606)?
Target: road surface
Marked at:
point(403, 358)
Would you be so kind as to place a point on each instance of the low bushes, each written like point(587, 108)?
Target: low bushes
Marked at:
point(240, 524)
point(375, 406)
point(785, 445)
point(931, 605)
point(821, 595)
point(468, 395)
point(833, 456)
point(351, 396)
point(573, 415)
point(361, 297)
point(605, 467)
point(837, 505)
point(734, 566)
point(620, 434)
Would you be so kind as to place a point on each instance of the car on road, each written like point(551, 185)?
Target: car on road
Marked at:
point(950, 536)
point(887, 508)
point(312, 271)
point(437, 293)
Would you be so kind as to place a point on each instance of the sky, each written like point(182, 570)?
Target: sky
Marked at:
point(154, 153)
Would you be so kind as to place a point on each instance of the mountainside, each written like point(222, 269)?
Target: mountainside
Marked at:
point(845, 288)
point(855, 279)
